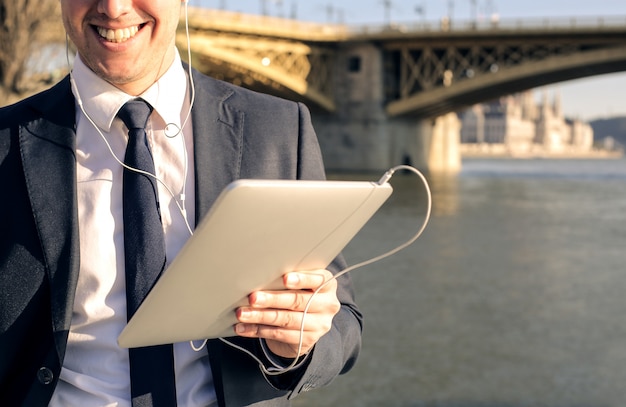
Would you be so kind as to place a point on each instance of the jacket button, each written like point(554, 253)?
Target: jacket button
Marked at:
point(45, 375)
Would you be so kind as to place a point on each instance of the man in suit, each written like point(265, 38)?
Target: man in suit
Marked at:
point(62, 298)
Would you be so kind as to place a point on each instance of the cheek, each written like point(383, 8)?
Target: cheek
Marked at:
point(72, 21)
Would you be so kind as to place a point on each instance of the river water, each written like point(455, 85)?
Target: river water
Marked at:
point(514, 296)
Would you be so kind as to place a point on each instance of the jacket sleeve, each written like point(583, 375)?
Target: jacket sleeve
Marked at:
point(336, 352)
point(280, 142)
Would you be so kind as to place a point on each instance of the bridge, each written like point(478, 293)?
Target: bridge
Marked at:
point(384, 95)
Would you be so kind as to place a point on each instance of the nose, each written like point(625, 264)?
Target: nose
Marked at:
point(114, 8)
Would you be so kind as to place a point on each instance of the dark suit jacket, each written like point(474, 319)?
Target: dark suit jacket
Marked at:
point(237, 134)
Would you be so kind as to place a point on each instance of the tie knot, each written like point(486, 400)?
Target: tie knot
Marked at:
point(135, 113)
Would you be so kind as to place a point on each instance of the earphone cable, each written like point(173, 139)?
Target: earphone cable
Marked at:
point(180, 205)
point(273, 371)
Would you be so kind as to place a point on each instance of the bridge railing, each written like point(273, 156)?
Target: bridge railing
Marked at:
point(265, 25)
point(527, 24)
point(295, 29)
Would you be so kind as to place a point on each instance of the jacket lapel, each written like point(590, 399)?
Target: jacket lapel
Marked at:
point(218, 141)
point(47, 146)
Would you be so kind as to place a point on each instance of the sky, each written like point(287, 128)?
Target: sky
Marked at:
point(589, 98)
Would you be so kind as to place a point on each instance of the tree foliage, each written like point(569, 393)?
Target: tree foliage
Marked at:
point(26, 27)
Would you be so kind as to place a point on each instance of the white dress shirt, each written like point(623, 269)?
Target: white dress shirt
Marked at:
point(95, 370)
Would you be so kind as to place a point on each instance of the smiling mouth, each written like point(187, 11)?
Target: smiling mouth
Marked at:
point(118, 35)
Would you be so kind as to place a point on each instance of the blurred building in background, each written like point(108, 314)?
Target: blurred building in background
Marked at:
point(519, 125)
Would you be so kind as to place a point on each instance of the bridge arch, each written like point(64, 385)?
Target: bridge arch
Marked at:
point(264, 53)
point(508, 80)
point(397, 101)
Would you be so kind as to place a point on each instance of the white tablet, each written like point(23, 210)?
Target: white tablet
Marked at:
point(256, 231)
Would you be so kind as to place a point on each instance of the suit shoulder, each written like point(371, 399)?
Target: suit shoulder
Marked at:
point(243, 97)
point(54, 104)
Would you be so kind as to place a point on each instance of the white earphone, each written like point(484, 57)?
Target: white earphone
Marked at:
point(171, 130)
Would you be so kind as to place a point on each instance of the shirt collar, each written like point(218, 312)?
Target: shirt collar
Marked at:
point(102, 101)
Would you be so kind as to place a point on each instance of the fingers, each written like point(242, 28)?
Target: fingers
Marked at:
point(277, 316)
point(309, 280)
point(287, 339)
point(290, 300)
point(300, 288)
point(285, 309)
point(282, 329)
point(286, 320)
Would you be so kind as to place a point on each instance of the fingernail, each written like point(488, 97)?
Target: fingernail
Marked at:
point(259, 299)
point(293, 279)
point(244, 314)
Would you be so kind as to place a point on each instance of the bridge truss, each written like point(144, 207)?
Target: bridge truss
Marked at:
point(426, 73)
point(437, 73)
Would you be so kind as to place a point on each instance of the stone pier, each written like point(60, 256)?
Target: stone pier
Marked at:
point(377, 145)
point(361, 136)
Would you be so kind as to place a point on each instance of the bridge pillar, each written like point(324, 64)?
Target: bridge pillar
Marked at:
point(361, 136)
point(369, 144)
point(440, 140)
point(356, 136)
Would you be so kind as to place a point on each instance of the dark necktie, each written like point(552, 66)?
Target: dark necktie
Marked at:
point(152, 367)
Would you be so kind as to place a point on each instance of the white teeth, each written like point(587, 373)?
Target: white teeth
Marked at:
point(119, 35)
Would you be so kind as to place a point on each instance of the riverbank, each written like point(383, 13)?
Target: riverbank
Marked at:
point(489, 150)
